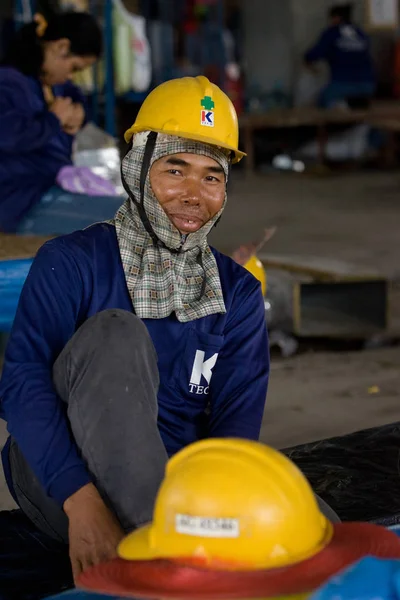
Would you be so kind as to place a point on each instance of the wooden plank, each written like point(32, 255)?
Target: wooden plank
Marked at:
point(389, 124)
point(306, 116)
point(321, 269)
point(20, 246)
point(381, 114)
point(287, 118)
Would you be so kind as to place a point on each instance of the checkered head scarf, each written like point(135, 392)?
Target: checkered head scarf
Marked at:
point(166, 272)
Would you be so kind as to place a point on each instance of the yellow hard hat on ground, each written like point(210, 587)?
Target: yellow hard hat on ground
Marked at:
point(268, 517)
point(256, 268)
point(235, 519)
point(191, 108)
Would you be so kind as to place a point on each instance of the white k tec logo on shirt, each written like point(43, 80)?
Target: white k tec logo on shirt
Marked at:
point(202, 369)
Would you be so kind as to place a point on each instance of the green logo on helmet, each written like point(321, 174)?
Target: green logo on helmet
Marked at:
point(207, 103)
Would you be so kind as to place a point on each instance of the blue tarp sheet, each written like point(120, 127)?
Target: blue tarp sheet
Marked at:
point(12, 276)
point(369, 579)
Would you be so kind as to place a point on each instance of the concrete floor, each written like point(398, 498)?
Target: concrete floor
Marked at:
point(354, 218)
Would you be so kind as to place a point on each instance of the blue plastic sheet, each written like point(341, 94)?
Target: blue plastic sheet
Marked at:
point(369, 579)
point(12, 277)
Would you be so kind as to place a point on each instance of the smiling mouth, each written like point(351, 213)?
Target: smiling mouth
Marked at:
point(186, 223)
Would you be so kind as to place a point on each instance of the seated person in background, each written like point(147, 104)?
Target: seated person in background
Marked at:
point(40, 112)
point(346, 49)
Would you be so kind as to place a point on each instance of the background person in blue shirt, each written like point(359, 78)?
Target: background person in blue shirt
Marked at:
point(346, 49)
point(40, 112)
point(132, 339)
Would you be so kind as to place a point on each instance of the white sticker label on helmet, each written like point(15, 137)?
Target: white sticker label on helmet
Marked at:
point(207, 526)
point(207, 118)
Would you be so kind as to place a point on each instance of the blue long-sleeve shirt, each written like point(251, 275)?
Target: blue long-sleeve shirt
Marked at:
point(76, 276)
point(346, 49)
point(33, 146)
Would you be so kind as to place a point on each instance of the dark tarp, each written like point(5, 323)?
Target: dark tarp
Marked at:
point(358, 474)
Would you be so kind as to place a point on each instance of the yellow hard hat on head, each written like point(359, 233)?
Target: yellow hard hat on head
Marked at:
point(230, 503)
point(191, 108)
point(255, 266)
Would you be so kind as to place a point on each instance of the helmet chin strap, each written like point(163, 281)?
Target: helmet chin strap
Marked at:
point(226, 185)
point(148, 153)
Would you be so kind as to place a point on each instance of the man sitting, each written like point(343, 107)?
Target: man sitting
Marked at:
point(132, 339)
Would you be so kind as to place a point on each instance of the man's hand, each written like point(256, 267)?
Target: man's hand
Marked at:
point(75, 119)
point(94, 532)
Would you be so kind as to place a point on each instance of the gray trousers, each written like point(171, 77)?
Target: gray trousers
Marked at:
point(107, 375)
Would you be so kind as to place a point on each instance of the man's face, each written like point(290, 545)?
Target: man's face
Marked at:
point(190, 189)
